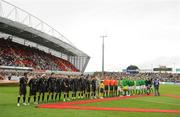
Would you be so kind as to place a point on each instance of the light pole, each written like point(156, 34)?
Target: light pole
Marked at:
point(103, 37)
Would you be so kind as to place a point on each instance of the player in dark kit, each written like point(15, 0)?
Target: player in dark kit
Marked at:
point(51, 86)
point(74, 85)
point(33, 85)
point(93, 82)
point(88, 87)
point(84, 80)
point(42, 84)
point(80, 86)
point(66, 85)
point(59, 85)
point(22, 89)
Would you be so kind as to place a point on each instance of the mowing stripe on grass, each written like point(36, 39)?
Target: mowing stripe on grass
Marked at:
point(109, 109)
point(171, 95)
point(155, 101)
point(72, 105)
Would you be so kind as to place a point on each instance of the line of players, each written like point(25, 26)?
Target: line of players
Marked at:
point(54, 85)
point(126, 86)
point(79, 87)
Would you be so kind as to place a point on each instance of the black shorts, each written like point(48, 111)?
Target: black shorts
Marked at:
point(115, 88)
point(58, 90)
point(81, 89)
point(70, 89)
point(66, 89)
point(93, 89)
point(74, 89)
point(88, 89)
point(111, 88)
point(101, 90)
point(51, 90)
point(42, 89)
point(32, 92)
point(106, 87)
point(22, 91)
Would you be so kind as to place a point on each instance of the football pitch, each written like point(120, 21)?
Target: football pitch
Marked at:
point(169, 100)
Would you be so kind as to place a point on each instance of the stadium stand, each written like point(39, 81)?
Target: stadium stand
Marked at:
point(14, 54)
point(163, 77)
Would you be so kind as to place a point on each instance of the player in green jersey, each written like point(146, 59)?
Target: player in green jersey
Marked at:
point(138, 86)
point(132, 86)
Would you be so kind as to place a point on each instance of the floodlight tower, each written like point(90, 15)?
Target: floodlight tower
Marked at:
point(103, 37)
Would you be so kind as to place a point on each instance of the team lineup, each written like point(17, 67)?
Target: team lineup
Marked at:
point(55, 87)
point(89, 58)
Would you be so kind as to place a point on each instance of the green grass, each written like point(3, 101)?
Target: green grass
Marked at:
point(142, 102)
point(170, 89)
point(8, 108)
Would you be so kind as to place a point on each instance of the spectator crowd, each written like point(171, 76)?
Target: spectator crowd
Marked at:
point(14, 54)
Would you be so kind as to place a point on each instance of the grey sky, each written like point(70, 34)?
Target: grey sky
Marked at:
point(141, 32)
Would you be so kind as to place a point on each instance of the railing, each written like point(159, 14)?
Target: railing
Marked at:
point(14, 13)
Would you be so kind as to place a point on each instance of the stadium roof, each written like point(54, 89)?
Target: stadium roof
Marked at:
point(20, 30)
point(48, 37)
